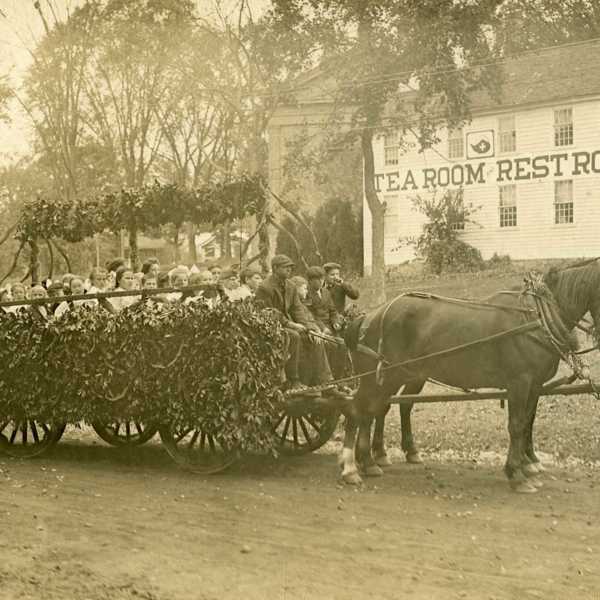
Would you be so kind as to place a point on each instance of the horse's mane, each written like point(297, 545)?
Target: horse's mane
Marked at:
point(572, 284)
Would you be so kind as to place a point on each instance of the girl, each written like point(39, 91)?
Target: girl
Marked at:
point(77, 289)
point(124, 281)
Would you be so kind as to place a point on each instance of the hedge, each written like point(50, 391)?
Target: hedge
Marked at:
point(214, 369)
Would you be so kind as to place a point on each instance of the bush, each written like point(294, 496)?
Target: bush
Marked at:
point(218, 370)
point(497, 261)
point(440, 244)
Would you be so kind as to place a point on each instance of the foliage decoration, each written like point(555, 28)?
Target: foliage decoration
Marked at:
point(218, 370)
point(140, 209)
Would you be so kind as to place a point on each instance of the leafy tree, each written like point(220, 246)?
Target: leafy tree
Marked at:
point(529, 24)
point(369, 49)
point(337, 230)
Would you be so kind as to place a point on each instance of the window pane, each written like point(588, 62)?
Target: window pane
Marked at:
point(508, 205)
point(507, 134)
point(390, 148)
point(456, 146)
point(563, 202)
point(563, 127)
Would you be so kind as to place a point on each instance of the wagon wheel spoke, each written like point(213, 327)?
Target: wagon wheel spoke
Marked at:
point(125, 433)
point(194, 438)
point(197, 450)
point(34, 432)
point(306, 432)
point(27, 438)
point(285, 429)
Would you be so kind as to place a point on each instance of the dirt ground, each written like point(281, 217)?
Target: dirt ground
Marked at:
point(90, 522)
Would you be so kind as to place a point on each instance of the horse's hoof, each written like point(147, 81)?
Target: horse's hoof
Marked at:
point(530, 469)
point(352, 478)
point(373, 471)
point(523, 487)
point(536, 482)
point(383, 461)
point(414, 458)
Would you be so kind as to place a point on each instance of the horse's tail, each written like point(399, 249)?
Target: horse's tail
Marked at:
point(352, 333)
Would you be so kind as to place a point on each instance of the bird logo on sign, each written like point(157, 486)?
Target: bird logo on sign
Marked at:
point(481, 147)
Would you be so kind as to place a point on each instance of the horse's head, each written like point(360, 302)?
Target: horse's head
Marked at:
point(576, 289)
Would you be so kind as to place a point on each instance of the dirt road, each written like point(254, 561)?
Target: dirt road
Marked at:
point(91, 522)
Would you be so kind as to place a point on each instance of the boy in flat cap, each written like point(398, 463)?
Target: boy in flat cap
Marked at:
point(320, 302)
point(338, 288)
point(277, 292)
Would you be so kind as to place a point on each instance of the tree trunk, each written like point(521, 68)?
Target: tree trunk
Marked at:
point(191, 240)
point(176, 246)
point(226, 240)
point(34, 262)
point(133, 250)
point(377, 210)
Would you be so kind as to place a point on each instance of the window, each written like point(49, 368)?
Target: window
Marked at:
point(563, 202)
point(390, 148)
point(563, 127)
point(507, 134)
point(508, 205)
point(456, 143)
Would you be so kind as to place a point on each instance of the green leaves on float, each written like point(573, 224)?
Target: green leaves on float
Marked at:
point(139, 209)
point(216, 369)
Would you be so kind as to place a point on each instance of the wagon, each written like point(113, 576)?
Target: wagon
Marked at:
point(302, 426)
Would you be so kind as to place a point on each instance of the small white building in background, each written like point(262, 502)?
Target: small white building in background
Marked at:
point(530, 161)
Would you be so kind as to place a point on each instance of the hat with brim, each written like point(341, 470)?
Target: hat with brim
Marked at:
point(281, 260)
point(331, 265)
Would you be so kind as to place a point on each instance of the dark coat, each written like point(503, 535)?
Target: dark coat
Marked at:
point(323, 309)
point(339, 292)
point(284, 298)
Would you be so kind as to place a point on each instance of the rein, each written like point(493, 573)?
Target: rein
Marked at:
point(549, 320)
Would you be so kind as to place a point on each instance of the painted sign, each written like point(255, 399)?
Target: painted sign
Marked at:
point(500, 171)
point(480, 144)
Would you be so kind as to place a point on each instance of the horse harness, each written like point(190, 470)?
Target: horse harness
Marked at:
point(548, 319)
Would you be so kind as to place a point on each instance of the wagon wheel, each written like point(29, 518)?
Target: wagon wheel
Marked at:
point(196, 450)
point(306, 432)
point(28, 437)
point(125, 433)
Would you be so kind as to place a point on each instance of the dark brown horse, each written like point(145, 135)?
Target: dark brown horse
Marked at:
point(416, 325)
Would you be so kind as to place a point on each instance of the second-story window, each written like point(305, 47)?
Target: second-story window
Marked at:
point(507, 133)
point(563, 127)
point(390, 148)
point(456, 143)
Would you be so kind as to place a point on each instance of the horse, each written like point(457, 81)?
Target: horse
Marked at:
point(503, 341)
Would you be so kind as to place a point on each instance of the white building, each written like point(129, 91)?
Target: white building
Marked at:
point(530, 160)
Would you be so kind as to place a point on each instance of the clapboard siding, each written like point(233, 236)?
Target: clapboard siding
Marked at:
point(536, 235)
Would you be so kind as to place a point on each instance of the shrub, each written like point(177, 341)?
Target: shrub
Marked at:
point(439, 244)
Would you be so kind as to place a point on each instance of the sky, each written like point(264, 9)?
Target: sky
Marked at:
point(20, 30)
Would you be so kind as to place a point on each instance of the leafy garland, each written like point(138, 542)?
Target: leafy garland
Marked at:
point(218, 370)
point(139, 209)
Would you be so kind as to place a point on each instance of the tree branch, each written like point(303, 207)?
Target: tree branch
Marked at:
point(281, 228)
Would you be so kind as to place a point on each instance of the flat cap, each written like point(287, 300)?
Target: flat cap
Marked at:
point(331, 265)
point(315, 272)
point(281, 260)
